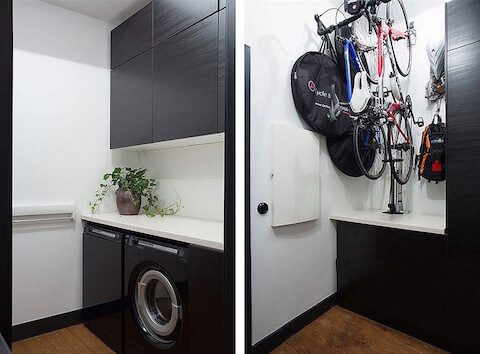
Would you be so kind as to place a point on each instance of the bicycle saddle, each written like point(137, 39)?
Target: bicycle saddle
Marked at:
point(361, 93)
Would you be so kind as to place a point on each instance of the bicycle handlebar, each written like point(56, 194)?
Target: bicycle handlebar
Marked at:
point(324, 31)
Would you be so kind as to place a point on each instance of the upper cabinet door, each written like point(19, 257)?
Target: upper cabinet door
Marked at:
point(131, 102)
point(222, 17)
point(172, 16)
point(132, 37)
point(185, 83)
point(462, 23)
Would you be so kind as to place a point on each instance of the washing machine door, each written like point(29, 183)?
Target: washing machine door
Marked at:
point(158, 306)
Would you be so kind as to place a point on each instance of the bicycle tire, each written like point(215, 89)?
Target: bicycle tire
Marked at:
point(363, 150)
point(401, 20)
point(370, 59)
point(401, 179)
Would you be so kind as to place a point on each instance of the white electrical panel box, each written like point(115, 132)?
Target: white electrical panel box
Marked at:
point(295, 175)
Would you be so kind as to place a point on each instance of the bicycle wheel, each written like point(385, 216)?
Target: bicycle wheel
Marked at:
point(401, 48)
point(367, 47)
point(401, 148)
point(370, 149)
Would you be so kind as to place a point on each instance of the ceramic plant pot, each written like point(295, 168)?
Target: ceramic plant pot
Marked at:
point(124, 205)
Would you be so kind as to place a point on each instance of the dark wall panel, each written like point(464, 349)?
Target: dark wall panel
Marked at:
point(6, 60)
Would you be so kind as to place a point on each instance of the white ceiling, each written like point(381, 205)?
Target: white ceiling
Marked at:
point(112, 11)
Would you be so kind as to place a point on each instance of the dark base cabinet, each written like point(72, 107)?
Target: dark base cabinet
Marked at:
point(206, 300)
point(395, 277)
point(463, 295)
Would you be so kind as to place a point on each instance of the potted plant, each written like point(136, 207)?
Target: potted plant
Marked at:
point(132, 186)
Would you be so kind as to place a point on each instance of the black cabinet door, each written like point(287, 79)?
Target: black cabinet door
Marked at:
point(172, 16)
point(131, 102)
point(206, 300)
point(132, 37)
point(185, 83)
point(463, 294)
point(413, 276)
point(462, 23)
point(358, 261)
point(222, 21)
point(463, 154)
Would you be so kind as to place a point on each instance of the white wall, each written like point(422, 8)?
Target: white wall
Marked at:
point(195, 173)
point(61, 151)
point(293, 268)
point(61, 147)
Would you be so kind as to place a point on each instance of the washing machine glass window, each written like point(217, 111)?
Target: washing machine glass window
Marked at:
point(158, 307)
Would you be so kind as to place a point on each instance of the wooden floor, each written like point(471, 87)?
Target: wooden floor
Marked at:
point(336, 331)
point(341, 331)
point(75, 339)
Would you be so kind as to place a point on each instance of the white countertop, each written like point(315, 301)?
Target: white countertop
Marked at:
point(206, 233)
point(422, 222)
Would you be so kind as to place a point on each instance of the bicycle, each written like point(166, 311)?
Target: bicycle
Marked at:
point(369, 136)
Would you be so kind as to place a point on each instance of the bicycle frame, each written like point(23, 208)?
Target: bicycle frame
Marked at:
point(385, 31)
point(348, 49)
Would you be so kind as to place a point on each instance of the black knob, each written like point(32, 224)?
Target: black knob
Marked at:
point(262, 208)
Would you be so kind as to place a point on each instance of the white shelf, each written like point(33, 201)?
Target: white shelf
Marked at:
point(421, 222)
point(200, 232)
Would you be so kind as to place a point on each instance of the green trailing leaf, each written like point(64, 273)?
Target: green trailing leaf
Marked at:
point(137, 184)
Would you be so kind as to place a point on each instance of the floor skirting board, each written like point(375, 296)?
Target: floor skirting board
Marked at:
point(273, 340)
point(44, 325)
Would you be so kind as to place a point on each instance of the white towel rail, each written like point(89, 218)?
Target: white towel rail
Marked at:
point(43, 213)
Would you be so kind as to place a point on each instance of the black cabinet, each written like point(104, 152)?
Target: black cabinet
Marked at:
point(358, 268)
point(102, 283)
point(462, 23)
point(174, 89)
point(395, 277)
point(463, 146)
point(131, 102)
point(172, 16)
point(185, 69)
point(132, 37)
point(222, 24)
point(413, 276)
point(206, 300)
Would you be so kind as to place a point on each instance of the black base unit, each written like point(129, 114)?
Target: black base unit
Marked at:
point(102, 283)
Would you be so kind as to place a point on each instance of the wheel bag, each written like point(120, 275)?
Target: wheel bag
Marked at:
point(342, 153)
point(312, 76)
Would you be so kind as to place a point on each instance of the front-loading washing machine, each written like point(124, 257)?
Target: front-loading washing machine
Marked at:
point(156, 296)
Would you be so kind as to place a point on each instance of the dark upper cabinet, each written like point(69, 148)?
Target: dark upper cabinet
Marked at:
point(132, 37)
point(462, 23)
point(172, 16)
point(222, 19)
point(185, 83)
point(131, 102)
